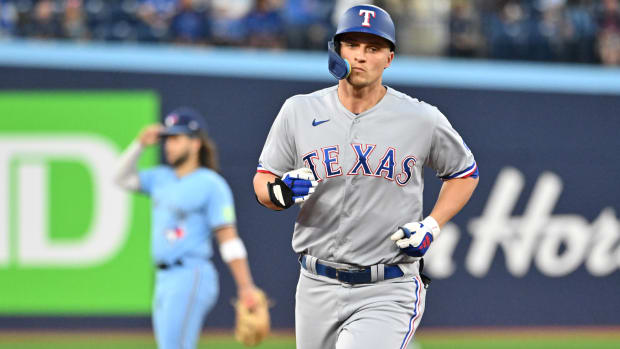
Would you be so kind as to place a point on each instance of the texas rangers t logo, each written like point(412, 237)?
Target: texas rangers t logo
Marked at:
point(367, 14)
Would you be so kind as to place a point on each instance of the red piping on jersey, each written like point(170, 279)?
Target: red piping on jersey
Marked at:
point(473, 170)
point(265, 171)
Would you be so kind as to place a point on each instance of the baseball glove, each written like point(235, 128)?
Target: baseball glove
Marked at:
point(252, 324)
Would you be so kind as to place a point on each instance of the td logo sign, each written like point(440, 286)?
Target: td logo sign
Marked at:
point(30, 157)
point(70, 241)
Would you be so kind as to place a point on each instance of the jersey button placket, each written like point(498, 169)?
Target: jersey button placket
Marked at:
point(353, 131)
point(354, 139)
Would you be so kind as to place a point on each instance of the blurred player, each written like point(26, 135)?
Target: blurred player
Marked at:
point(191, 203)
point(353, 154)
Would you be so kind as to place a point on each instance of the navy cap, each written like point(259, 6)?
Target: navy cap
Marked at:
point(184, 120)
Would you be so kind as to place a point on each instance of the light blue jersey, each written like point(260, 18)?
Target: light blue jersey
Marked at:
point(185, 213)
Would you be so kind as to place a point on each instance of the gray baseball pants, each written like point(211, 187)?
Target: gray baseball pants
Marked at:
point(380, 315)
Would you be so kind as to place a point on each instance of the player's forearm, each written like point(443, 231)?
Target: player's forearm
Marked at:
point(260, 189)
point(126, 171)
point(234, 254)
point(240, 270)
point(453, 196)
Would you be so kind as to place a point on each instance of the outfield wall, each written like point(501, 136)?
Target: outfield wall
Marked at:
point(539, 244)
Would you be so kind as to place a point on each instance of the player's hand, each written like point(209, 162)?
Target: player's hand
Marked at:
point(415, 238)
point(248, 296)
point(294, 187)
point(301, 182)
point(150, 134)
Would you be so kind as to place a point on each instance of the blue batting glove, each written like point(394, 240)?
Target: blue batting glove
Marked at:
point(294, 187)
point(301, 182)
point(415, 238)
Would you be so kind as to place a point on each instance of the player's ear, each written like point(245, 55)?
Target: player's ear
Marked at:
point(390, 58)
point(196, 144)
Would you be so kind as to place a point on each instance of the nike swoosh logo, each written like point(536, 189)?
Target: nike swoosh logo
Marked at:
point(317, 123)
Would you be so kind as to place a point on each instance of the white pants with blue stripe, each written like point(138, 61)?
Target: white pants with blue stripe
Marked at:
point(334, 315)
point(183, 297)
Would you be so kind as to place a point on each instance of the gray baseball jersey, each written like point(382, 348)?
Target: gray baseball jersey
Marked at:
point(370, 169)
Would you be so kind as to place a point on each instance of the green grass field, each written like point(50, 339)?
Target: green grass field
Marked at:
point(432, 339)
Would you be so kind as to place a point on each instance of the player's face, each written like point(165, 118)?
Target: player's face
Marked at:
point(368, 55)
point(179, 149)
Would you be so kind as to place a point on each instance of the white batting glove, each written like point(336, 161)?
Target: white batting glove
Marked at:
point(415, 238)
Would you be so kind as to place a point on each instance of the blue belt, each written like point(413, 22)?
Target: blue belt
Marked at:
point(164, 266)
point(356, 276)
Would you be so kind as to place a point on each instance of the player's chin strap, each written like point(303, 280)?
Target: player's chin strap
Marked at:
point(338, 66)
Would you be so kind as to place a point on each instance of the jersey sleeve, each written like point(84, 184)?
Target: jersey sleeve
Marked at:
point(220, 205)
point(147, 180)
point(449, 156)
point(278, 155)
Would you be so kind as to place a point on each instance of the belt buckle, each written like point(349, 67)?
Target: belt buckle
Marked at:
point(339, 273)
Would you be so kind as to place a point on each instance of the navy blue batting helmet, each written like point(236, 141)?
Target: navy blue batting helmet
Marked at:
point(359, 19)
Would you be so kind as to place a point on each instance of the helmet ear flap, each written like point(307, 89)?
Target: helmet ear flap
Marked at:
point(338, 66)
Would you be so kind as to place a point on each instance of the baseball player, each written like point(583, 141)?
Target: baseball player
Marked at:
point(352, 155)
point(191, 203)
